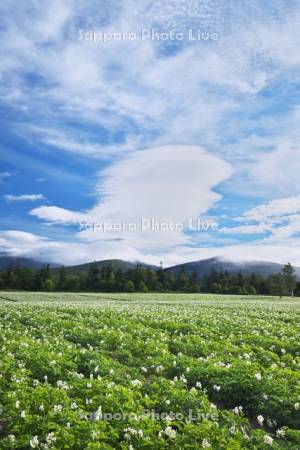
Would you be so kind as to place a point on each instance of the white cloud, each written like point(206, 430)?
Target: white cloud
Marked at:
point(58, 215)
point(278, 220)
point(277, 208)
point(73, 143)
point(280, 252)
point(30, 245)
point(186, 97)
point(279, 168)
point(247, 229)
point(23, 197)
point(21, 236)
point(4, 175)
point(19, 243)
point(267, 161)
point(174, 183)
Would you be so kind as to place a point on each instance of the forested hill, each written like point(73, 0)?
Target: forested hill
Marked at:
point(205, 266)
point(201, 268)
point(115, 264)
point(112, 276)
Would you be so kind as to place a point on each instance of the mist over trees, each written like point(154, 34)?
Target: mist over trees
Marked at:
point(145, 279)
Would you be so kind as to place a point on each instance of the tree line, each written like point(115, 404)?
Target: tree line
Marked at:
point(143, 279)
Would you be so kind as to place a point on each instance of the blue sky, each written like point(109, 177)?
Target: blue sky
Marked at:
point(101, 134)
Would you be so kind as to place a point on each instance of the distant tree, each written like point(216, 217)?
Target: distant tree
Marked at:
point(110, 280)
point(142, 287)
point(62, 279)
point(94, 278)
point(45, 272)
point(241, 279)
point(119, 280)
point(164, 280)
point(168, 281)
point(42, 275)
point(82, 278)
point(243, 290)
point(276, 284)
point(194, 285)
point(216, 288)
point(236, 289)
point(297, 290)
point(289, 278)
point(129, 286)
point(27, 277)
point(250, 290)
point(160, 274)
point(183, 281)
point(152, 280)
point(194, 277)
point(72, 283)
point(9, 277)
point(47, 285)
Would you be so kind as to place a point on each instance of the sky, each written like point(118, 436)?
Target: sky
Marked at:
point(153, 131)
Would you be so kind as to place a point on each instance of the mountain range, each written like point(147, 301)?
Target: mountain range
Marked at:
point(201, 268)
point(21, 263)
point(116, 264)
point(205, 266)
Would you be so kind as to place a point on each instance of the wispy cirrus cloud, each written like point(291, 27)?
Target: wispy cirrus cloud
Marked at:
point(4, 175)
point(277, 222)
point(23, 197)
point(142, 87)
